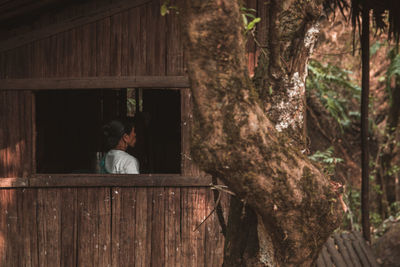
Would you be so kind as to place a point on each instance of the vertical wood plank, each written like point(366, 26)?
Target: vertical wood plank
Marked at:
point(75, 52)
point(26, 124)
point(143, 226)
point(89, 50)
point(94, 227)
point(52, 58)
point(125, 42)
point(15, 156)
point(29, 230)
point(68, 54)
point(174, 45)
point(173, 245)
point(103, 47)
point(141, 57)
point(136, 54)
point(158, 228)
point(189, 167)
point(193, 214)
point(116, 226)
point(115, 44)
point(156, 28)
point(123, 226)
point(13, 241)
point(3, 226)
point(49, 232)
point(68, 225)
point(61, 63)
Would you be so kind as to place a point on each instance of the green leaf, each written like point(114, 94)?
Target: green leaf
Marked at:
point(374, 48)
point(251, 25)
point(245, 22)
point(164, 9)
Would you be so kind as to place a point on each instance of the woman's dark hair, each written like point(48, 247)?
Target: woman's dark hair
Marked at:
point(114, 130)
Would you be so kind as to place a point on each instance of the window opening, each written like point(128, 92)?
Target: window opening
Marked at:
point(69, 122)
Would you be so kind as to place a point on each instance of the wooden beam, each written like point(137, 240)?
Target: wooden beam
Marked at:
point(95, 83)
point(73, 22)
point(13, 182)
point(138, 180)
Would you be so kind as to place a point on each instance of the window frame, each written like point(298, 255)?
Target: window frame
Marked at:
point(184, 179)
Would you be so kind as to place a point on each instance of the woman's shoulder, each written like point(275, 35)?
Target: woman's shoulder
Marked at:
point(123, 156)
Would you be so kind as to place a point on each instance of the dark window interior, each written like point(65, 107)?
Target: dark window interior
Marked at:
point(69, 123)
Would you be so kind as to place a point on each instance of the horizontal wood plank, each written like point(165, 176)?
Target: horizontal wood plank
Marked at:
point(95, 83)
point(13, 182)
point(70, 23)
point(140, 180)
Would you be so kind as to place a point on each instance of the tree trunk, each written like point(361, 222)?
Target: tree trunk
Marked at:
point(235, 140)
point(387, 159)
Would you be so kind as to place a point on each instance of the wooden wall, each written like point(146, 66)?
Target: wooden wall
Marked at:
point(108, 227)
point(101, 226)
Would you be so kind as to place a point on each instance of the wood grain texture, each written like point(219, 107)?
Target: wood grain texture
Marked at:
point(143, 226)
point(95, 83)
point(68, 225)
point(91, 220)
point(91, 16)
point(173, 232)
point(77, 180)
point(193, 214)
point(158, 227)
point(123, 230)
point(16, 135)
point(174, 45)
point(94, 227)
point(342, 249)
point(49, 230)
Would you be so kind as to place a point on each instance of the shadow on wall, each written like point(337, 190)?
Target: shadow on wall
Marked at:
point(15, 133)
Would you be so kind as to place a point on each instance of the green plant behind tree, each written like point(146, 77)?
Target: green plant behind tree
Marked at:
point(335, 90)
point(327, 159)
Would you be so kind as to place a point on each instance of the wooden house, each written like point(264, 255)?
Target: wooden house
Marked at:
point(66, 68)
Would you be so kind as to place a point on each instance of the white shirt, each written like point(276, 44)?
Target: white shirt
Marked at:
point(120, 162)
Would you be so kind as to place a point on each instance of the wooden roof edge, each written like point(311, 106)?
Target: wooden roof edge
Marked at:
point(73, 22)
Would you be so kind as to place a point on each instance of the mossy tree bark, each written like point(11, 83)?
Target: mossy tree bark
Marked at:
point(390, 150)
point(249, 133)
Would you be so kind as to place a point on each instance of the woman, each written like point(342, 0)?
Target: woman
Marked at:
point(119, 136)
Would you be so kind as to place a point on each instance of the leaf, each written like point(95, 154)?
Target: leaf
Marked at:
point(249, 15)
point(164, 9)
point(251, 25)
point(244, 20)
point(374, 48)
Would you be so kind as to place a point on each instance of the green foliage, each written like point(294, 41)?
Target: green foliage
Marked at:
point(327, 159)
point(336, 91)
point(249, 19)
point(393, 71)
point(374, 48)
point(385, 224)
point(166, 8)
point(352, 218)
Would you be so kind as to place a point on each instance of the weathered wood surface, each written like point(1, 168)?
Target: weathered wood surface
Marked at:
point(346, 250)
point(109, 227)
point(92, 15)
point(114, 223)
point(95, 83)
point(85, 180)
point(15, 134)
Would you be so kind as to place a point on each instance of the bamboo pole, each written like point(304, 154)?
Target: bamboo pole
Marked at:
point(364, 125)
